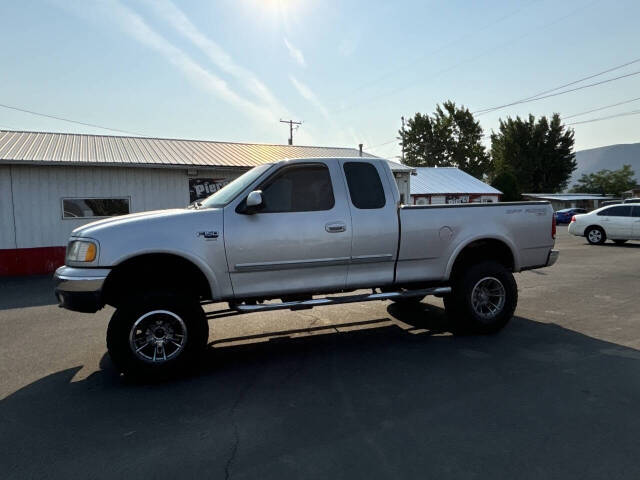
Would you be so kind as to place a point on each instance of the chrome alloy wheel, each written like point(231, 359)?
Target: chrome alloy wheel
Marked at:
point(158, 336)
point(595, 235)
point(488, 298)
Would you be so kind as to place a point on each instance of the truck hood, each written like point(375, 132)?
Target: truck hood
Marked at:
point(192, 234)
point(94, 228)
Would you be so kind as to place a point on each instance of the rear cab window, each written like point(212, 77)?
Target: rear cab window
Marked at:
point(365, 186)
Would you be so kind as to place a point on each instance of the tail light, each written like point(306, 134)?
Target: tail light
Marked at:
point(553, 227)
point(573, 219)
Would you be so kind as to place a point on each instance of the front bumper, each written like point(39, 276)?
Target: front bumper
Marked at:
point(79, 289)
point(553, 257)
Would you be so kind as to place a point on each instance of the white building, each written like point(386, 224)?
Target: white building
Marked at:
point(559, 201)
point(434, 185)
point(51, 183)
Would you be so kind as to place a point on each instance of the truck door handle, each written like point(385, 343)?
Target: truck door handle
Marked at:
point(336, 227)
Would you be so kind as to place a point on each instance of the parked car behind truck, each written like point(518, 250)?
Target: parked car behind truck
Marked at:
point(566, 214)
point(617, 222)
point(296, 231)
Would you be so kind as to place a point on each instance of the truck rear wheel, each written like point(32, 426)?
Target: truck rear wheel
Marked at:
point(157, 335)
point(483, 298)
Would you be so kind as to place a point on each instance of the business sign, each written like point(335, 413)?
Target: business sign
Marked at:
point(200, 188)
point(457, 198)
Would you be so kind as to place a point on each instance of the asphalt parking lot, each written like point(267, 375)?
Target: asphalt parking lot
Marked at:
point(353, 391)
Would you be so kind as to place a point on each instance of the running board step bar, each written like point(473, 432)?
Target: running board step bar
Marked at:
point(318, 302)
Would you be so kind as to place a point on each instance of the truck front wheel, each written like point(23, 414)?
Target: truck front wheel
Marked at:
point(483, 298)
point(156, 335)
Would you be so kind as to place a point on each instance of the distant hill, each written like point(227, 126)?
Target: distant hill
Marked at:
point(612, 157)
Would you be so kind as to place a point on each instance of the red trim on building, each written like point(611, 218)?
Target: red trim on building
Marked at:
point(30, 261)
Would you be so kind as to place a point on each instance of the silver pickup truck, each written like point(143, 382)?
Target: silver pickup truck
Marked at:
point(291, 235)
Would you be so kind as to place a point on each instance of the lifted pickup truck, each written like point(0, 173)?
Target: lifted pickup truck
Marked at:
point(287, 235)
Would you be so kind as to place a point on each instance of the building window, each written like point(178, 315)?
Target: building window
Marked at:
point(94, 207)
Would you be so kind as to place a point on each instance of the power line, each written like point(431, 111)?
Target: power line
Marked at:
point(382, 144)
point(497, 46)
point(599, 119)
point(632, 112)
point(62, 119)
point(564, 91)
point(601, 108)
point(440, 49)
point(540, 95)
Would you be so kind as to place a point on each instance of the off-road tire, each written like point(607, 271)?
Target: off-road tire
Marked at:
point(459, 303)
point(118, 335)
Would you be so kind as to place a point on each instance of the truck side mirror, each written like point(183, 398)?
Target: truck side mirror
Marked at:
point(253, 202)
point(254, 199)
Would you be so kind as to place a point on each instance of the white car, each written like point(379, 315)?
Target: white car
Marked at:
point(615, 222)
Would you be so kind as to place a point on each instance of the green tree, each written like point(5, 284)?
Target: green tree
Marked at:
point(612, 182)
point(507, 183)
point(538, 153)
point(451, 137)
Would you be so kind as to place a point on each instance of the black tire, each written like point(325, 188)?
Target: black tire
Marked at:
point(595, 235)
point(168, 314)
point(490, 278)
point(619, 242)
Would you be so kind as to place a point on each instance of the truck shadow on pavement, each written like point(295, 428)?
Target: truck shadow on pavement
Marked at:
point(386, 401)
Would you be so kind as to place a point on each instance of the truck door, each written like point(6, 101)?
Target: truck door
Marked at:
point(299, 241)
point(374, 221)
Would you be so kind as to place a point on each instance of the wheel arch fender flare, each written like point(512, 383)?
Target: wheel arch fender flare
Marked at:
point(195, 260)
point(477, 238)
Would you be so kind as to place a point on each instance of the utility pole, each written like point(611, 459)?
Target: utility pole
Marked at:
point(291, 124)
point(402, 139)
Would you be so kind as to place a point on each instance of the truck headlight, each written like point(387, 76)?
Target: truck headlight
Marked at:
point(82, 251)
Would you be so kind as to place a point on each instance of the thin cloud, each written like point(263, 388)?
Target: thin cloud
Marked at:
point(308, 94)
point(134, 25)
point(175, 17)
point(295, 53)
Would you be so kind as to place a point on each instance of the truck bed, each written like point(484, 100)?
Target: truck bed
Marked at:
point(432, 235)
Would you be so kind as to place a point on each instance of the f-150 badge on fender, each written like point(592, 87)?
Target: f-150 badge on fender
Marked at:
point(208, 235)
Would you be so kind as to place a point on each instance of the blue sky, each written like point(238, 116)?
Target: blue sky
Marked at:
point(230, 69)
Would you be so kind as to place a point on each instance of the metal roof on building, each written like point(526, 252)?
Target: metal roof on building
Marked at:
point(567, 197)
point(448, 180)
point(77, 149)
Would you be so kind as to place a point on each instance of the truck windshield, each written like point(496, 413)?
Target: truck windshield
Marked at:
point(227, 193)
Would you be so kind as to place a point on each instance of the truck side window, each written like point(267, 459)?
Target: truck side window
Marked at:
point(298, 188)
point(365, 187)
